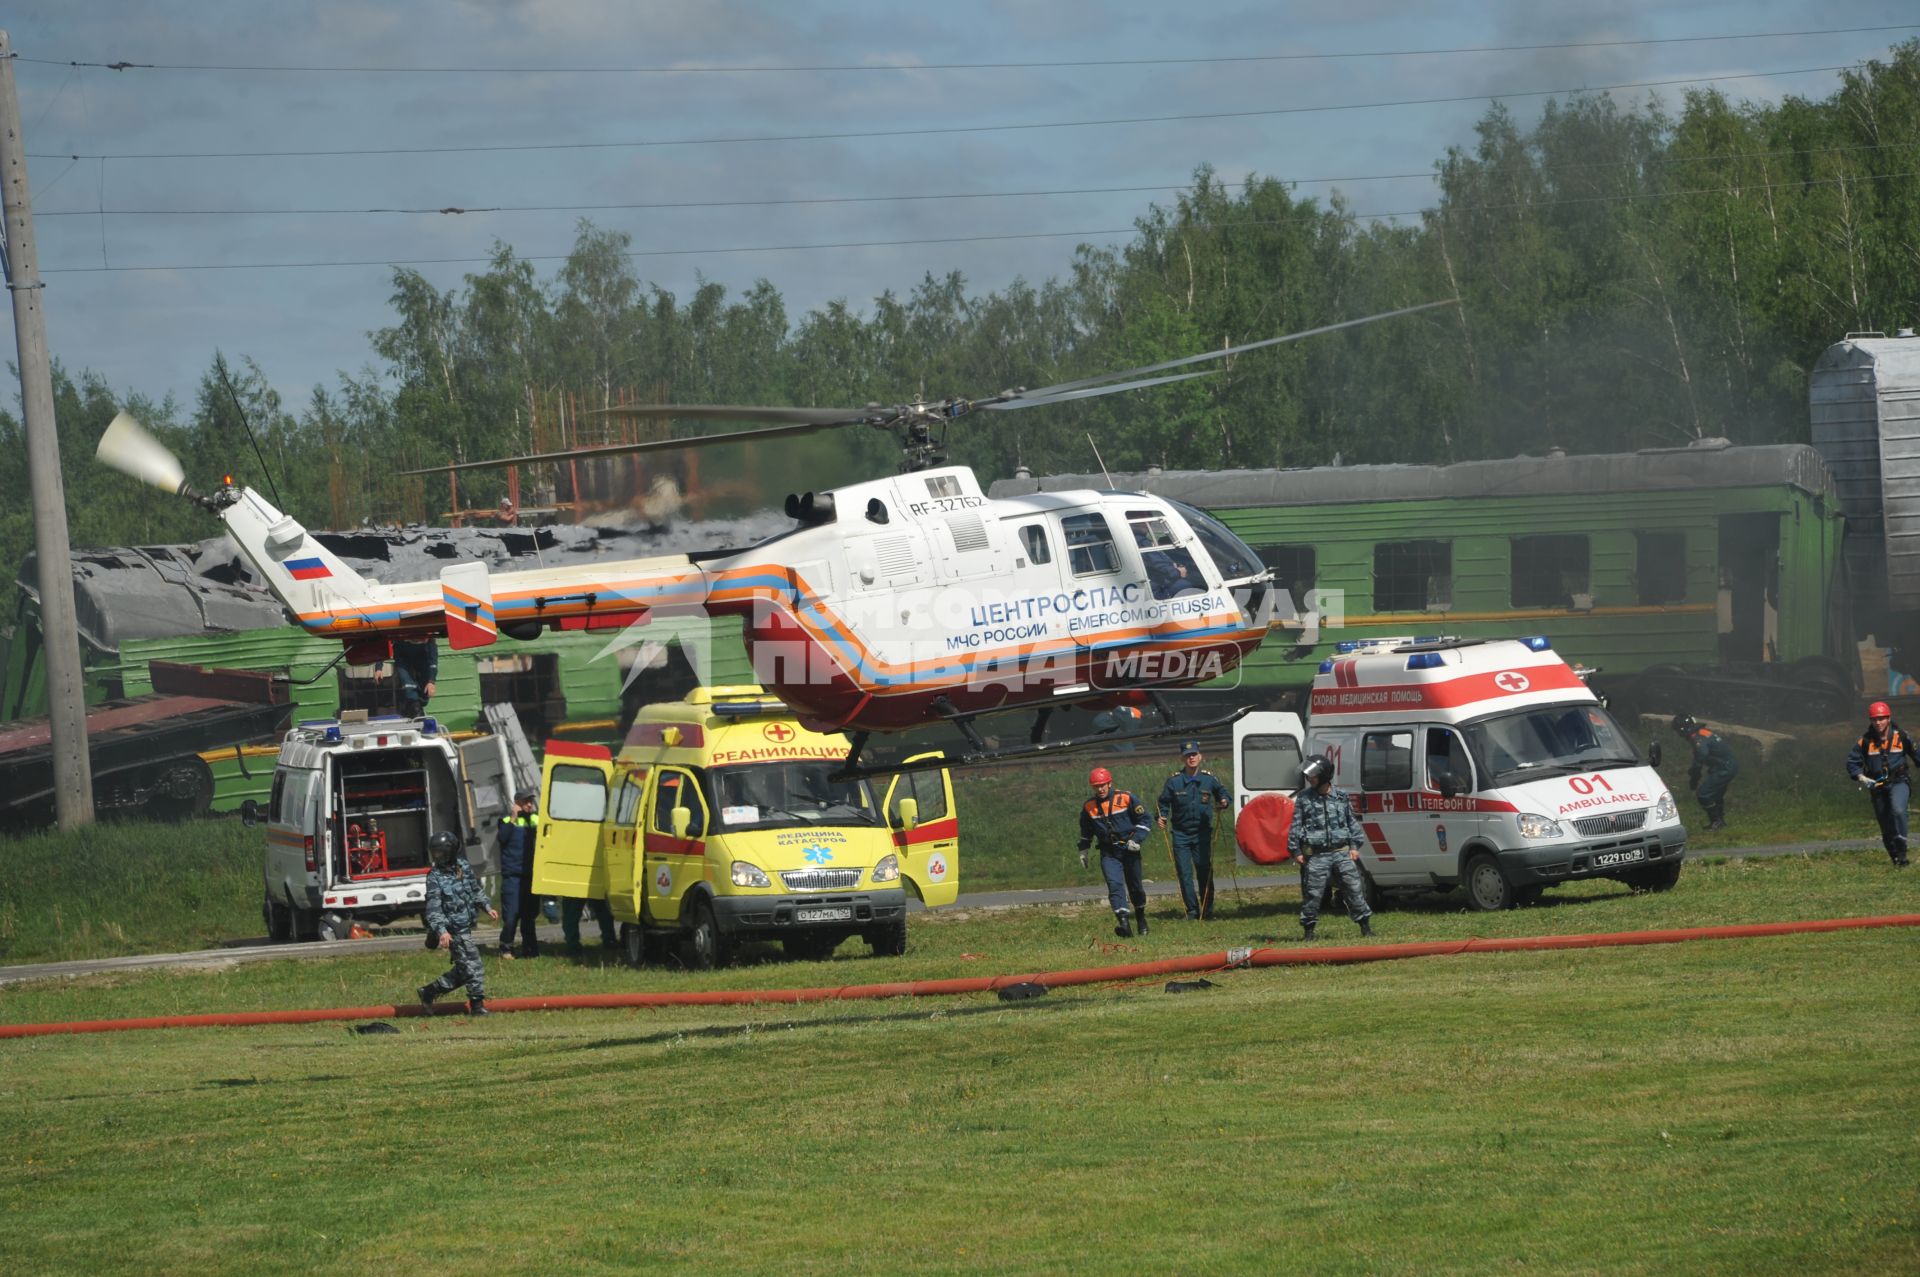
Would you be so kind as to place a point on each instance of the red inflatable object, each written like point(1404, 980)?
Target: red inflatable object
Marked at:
point(1261, 828)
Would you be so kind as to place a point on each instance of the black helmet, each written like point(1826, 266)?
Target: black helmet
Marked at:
point(1685, 724)
point(442, 847)
point(1316, 768)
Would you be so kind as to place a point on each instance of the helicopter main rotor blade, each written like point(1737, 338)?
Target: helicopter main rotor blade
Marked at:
point(130, 449)
point(650, 445)
point(1053, 392)
point(742, 412)
point(1090, 392)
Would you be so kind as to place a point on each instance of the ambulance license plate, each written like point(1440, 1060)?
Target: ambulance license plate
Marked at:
point(837, 913)
point(1608, 859)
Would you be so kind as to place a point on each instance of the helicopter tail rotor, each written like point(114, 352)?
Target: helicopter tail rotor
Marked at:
point(130, 448)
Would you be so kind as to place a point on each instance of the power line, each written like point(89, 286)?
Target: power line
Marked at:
point(983, 239)
point(942, 131)
point(805, 201)
point(736, 69)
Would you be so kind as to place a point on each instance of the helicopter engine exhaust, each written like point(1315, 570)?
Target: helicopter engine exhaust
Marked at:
point(812, 508)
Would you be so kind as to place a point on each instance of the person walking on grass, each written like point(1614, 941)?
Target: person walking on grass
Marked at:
point(1713, 769)
point(454, 896)
point(1188, 802)
point(1326, 837)
point(1117, 822)
point(1879, 764)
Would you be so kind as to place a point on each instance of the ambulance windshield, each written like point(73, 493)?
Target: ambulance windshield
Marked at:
point(1550, 740)
point(789, 794)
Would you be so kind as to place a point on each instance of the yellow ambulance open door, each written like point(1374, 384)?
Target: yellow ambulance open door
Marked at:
point(929, 844)
point(567, 858)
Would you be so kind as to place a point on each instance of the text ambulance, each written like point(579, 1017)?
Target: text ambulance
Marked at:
point(719, 822)
point(1486, 764)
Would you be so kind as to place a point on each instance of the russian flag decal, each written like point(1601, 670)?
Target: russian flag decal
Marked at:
point(308, 569)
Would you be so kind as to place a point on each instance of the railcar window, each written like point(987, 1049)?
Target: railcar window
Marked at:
point(1412, 576)
point(1089, 544)
point(1548, 570)
point(1293, 570)
point(1660, 567)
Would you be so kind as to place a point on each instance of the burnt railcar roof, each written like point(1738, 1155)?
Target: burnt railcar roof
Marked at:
point(168, 591)
point(1712, 463)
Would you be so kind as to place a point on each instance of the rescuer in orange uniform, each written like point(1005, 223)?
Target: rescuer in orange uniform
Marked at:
point(1117, 821)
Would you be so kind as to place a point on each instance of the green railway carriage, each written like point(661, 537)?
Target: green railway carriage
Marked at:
point(1710, 556)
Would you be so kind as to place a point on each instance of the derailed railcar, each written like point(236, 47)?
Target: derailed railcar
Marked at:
point(1710, 571)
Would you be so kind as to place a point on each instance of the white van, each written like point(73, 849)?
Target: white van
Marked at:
point(1479, 763)
point(354, 800)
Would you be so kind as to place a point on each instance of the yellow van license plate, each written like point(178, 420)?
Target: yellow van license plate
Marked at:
point(842, 913)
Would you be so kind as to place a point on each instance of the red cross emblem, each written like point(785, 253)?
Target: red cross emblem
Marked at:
point(779, 733)
point(1511, 681)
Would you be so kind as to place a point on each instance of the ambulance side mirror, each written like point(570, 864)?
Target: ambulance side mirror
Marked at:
point(1653, 754)
point(682, 819)
point(250, 812)
point(909, 812)
point(1447, 783)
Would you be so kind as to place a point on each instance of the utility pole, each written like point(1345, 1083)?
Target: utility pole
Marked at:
point(59, 626)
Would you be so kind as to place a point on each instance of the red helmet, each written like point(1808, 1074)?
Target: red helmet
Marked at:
point(1879, 709)
point(1099, 776)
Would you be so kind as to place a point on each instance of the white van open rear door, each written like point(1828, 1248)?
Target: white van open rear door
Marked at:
point(1267, 749)
point(488, 796)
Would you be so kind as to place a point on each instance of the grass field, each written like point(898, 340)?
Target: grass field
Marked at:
point(117, 889)
point(1720, 1107)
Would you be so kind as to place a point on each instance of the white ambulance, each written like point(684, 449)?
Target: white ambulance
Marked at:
point(1483, 763)
point(354, 802)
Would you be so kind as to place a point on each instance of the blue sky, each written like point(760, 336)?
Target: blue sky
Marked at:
point(155, 330)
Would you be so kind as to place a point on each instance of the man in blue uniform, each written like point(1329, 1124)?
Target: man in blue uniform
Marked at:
point(1187, 803)
point(1713, 769)
point(1326, 837)
point(518, 909)
point(1879, 763)
point(1117, 822)
point(416, 669)
point(454, 896)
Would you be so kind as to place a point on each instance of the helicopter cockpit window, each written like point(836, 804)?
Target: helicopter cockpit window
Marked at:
point(1033, 537)
point(1089, 544)
point(1170, 569)
point(1234, 557)
point(943, 485)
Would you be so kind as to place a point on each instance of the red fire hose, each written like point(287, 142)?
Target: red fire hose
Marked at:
point(1321, 954)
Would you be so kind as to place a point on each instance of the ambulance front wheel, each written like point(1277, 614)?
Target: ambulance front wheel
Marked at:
point(889, 941)
point(1487, 888)
point(708, 947)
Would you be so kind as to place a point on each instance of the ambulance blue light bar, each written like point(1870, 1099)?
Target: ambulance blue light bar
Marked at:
point(1425, 661)
point(1326, 666)
point(1538, 642)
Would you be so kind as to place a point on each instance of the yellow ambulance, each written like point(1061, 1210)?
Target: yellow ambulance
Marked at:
point(719, 822)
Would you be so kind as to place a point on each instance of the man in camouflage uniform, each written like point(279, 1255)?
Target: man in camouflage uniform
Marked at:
point(1187, 803)
point(454, 896)
point(1326, 837)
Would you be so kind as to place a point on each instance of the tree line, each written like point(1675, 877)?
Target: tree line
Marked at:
point(1628, 277)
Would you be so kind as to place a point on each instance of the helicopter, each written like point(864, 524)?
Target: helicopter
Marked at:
point(891, 604)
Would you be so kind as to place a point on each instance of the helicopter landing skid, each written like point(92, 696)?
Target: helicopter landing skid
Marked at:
point(980, 752)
